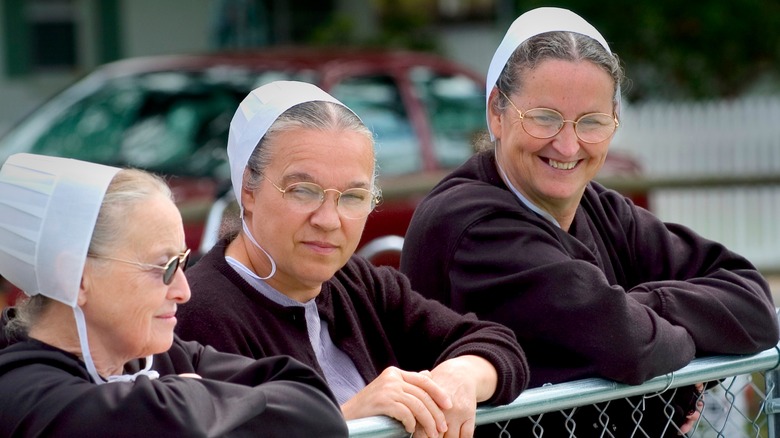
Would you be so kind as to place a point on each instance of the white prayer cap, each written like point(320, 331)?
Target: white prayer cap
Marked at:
point(257, 112)
point(48, 210)
point(534, 22)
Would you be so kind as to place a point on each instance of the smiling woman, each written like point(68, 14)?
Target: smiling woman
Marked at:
point(591, 284)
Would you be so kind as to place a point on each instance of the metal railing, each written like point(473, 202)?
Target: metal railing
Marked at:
point(744, 401)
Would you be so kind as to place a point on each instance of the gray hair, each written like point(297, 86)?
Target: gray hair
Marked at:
point(560, 45)
point(319, 115)
point(128, 188)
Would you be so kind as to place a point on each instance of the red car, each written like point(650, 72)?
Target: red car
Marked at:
point(171, 114)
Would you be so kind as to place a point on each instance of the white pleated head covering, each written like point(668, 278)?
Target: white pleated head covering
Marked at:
point(257, 112)
point(48, 210)
point(534, 22)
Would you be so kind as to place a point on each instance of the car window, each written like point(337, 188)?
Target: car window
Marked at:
point(167, 122)
point(456, 108)
point(171, 123)
point(377, 100)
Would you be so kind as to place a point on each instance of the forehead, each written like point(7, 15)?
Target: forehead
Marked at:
point(557, 81)
point(317, 151)
point(153, 222)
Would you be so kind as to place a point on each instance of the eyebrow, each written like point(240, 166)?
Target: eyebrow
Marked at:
point(295, 177)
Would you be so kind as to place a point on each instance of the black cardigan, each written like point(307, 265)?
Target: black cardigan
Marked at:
point(622, 295)
point(48, 392)
point(372, 314)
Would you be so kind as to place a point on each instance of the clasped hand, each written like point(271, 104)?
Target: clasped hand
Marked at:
point(437, 403)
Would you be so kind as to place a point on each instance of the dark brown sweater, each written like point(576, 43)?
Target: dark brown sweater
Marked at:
point(48, 392)
point(372, 314)
point(622, 295)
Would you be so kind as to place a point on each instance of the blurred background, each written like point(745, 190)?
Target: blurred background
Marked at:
point(701, 110)
point(672, 50)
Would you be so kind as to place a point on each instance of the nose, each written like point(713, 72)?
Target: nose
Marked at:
point(179, 289)
point(326, 216)
point(566, 141)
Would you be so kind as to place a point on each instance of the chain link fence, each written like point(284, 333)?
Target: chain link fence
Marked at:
point(741, 400)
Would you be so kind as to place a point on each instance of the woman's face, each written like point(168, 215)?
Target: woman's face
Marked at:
point(308, 248)
point(552, 173)
point(130, 312)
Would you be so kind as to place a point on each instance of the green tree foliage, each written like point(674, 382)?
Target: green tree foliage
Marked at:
point(675, 49)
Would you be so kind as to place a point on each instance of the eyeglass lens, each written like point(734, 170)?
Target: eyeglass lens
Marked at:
point(546, 123)
point(173, 264)
point(353, 203)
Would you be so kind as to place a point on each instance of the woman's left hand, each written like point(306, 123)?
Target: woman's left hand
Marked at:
point(468, 380)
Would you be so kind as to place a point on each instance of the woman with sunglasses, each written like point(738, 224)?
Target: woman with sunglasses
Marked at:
point(100, 253)
point(592, 285)
point(283, 280)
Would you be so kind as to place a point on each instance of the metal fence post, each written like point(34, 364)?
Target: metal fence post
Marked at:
point(772, 406)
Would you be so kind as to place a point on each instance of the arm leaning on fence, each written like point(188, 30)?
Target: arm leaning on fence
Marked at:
point(589, 391)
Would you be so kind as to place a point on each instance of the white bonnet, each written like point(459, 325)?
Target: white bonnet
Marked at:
point(257, 112)
point(534, 22)
point(48, 210)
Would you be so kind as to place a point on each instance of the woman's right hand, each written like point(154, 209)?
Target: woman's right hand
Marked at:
point(412, 398)
point(692, 418)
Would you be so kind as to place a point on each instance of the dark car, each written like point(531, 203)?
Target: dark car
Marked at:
point(171, 114)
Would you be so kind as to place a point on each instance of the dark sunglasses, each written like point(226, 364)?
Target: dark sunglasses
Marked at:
point(169, 269)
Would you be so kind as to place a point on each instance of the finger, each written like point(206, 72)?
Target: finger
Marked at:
point(436, 392)
point(407, 400)
point(427, 413)
point(421, 389)
point(463, 430)
point(410, 403)
point(407, 419)
point(404, 415)
point(420, 433)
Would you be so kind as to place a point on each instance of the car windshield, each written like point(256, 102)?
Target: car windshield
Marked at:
point(166, 122)
point(177, 122)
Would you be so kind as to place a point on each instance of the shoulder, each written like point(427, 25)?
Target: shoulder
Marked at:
point(472, 193)
point(606, 205)
point(49, 360)
point(359, 275)
point(476, 183)
point(213, 282)
point(362, 281)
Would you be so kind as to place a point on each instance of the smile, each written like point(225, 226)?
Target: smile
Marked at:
point(562, 165)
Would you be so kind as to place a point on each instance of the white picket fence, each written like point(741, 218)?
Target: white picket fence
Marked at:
point(725, 140)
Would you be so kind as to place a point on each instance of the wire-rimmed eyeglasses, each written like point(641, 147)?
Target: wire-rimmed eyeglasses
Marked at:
point(545, 123)
point(169, 268)
point(305, 197)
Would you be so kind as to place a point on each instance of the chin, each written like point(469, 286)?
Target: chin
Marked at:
point(161, 344)
point(324, 268)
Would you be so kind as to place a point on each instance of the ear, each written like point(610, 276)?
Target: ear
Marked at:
point(247, 196)
point(494, 115)
point(84, 284)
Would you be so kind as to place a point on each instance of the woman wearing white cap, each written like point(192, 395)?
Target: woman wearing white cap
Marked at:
point(591, 284)
point(285, 281)
point(98, 250)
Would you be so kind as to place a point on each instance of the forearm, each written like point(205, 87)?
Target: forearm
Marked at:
point(724, 316)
